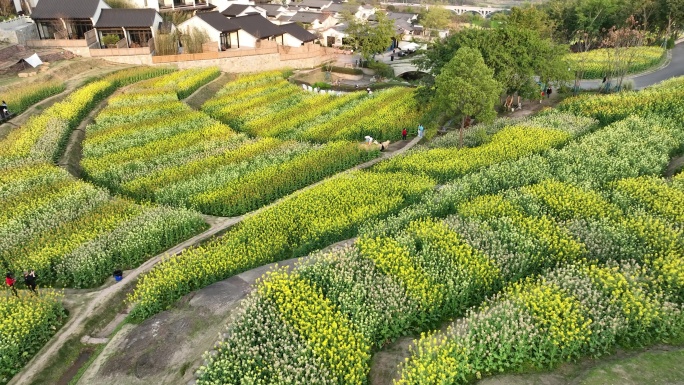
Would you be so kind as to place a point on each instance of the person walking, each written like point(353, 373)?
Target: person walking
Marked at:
point(30, 280)
point(548, 92)
point(10, 281)
point(3, 110)
point(421, 130)
point(404, 133)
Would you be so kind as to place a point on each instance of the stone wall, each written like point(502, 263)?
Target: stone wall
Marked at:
point(18, 31)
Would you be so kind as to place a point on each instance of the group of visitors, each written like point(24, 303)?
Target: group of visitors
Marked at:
point(29, 280)
point(404, 134)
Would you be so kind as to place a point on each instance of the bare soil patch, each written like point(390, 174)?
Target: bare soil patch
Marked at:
point(168, 348)
point(208, 91)
point(676, 165)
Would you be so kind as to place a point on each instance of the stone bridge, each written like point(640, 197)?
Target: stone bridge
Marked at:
point(483, 11)
point(401, 67)
point(458, 9)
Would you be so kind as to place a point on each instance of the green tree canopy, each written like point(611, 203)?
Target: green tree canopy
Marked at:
point(466, 87)
point(517, 56)
point(369, 37)
point(435, 17)
point(531, 18)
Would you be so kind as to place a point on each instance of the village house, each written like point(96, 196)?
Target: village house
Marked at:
point(334, 36)
point(314, 5)
point(296, 36)
point(135, 26)
point(274, 11)
point(239, 32)
point(237, 10)
point(259, 28)
point(315, 21)
point(361, 12)
point(183, 5)
point(59, 19)
point(218, 28)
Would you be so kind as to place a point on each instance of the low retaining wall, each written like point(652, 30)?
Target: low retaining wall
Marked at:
point(267, 57)
point(105, 52)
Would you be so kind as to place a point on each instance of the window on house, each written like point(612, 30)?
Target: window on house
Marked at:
point(46, 30)
point(140, 37)
point(225, 41)
point(78, 28)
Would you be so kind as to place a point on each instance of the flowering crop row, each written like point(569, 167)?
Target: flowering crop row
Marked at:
point(318, 110)
point(282, 118)
point(374, 116)
point(387, 286)
point(28, 322)
point(322, 215)
point(262, 186)
point(23, 96)
point(651, 194)
point(598, 63)
point(482, 133)
point(403, 110)
point(446, 164)
point(251, 80)
point(570, 312)
point(249, 106)
point(227, 103)
point(234, 110)
point(629, 148)
point(44, 136)
point(296, 350)
point(184, 83)
point(73, 234)
point(666, 102)
point(191, 160)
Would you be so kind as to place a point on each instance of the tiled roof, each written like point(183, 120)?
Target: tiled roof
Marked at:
point(235, 9)
point(272, 9)
point(298, 32)
point(65, 9)
point(218, 21)
point(315, 3)
point(307, 17)
point(257, 26)
point(117, 18)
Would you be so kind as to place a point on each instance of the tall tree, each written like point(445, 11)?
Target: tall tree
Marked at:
point(531, 17)
point(516, 55)
point(466, 87)
point(434, 17)
point(371, 37)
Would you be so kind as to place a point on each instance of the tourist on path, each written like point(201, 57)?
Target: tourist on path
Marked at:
point(404, 133)
point(30, 280)
point(9, 281)
point(421, 130)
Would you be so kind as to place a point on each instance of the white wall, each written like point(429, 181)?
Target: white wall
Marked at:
point(153, 4)
point(221, 5)
point(246, 40)
point(99, 9)
point(291, 41)
point(196, 22)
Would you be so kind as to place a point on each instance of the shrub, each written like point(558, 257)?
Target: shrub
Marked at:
point(345, 70)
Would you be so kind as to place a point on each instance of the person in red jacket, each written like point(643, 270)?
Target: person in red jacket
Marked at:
point(9, 281)
point(404, 133)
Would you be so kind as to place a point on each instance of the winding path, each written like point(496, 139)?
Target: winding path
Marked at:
point(76, 322)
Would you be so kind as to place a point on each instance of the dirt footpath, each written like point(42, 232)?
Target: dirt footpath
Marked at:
point(168, 348)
